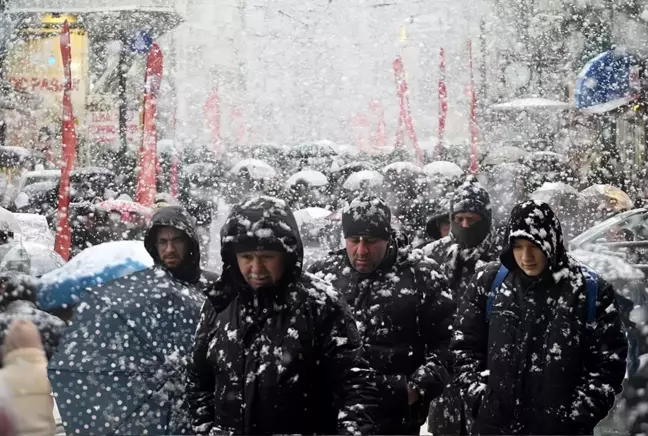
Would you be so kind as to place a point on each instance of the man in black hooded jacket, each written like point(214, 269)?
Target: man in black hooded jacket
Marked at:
point(173, 243)
point(276, 350)
point(404, 312)
point(468, 247)
point(538, 351)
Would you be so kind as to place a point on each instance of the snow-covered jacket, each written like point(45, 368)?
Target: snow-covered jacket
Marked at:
point(404, 312)
point(285, 359)
point(534, 365)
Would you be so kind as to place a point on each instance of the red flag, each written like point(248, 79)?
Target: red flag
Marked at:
point(146, 180)
point(443, 104)
point(63, 240)
point(377, 109)
point(405, 114)
point(213, 117)
point(474, 166)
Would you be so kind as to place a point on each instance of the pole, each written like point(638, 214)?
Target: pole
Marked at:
point(443, 105)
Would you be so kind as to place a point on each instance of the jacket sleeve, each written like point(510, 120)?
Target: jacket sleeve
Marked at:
point(605, 361)
point(354, 392)
point(470, 342)
point(434, 317)
point(200, 376)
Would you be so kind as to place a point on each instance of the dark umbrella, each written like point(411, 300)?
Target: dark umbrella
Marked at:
point(120, 368)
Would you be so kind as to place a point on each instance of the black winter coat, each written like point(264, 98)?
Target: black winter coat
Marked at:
point(447, 413)
point(279, 360)
point(404, 313)
point(538, 367)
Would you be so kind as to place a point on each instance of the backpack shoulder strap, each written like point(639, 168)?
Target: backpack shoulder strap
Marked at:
point(502, 272)
point(591, 287)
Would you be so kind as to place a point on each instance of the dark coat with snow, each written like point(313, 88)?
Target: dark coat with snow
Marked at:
point(178, 218)
point(447, 413)
point(18, 302)
point(404, 313)
point(538, 367)
point(285, 359)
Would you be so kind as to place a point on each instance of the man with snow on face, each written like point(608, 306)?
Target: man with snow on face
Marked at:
point(468, 247)
point(276, 350)
point(404, 312)
point(539, 346)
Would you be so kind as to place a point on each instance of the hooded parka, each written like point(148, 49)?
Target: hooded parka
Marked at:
point(534, 365)
point(190, 271)
point(404, 313)
point(282, 359)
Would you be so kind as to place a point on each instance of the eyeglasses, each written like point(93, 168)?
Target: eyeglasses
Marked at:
point(175, 242)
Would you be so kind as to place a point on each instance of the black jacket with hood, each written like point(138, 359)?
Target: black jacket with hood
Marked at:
point(538, 367)
point(190, 271)
point(404, 313)
point(284, 359)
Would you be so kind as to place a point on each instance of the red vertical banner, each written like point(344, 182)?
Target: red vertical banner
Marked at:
point(238, 125)
point(380, 140)
point(213, 118)
point(474, 133)
point(174, 157)
point(146, 180)
point(361, 133)
point(405, 114)
point(62, 244)
point(443, 105)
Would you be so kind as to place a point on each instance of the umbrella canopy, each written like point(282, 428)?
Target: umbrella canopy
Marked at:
point(29, 258)
point(505, 154)
point(258, 169)
point(610, 196)
point(401, 167)
point(609, 266)
point(129, 210)
point(120, 368)
point(547, 190)
point(34, 228)
point(310, 214)
point(311, 177)
point(93, 266)
point(363, 179)
point(8, 222)
point(443, 168)
point(312, 149)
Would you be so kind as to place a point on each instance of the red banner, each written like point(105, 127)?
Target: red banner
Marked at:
point(380, 140)
point(474, 133)
point(405, 114)
point(146, 180)
point(213, 117)
point(63, 240)
point(443, 105)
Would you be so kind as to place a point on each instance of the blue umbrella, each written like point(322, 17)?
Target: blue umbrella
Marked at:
point(120, 368)
point(95, 265)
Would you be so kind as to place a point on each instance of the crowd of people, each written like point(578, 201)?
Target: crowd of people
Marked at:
point(377, 338)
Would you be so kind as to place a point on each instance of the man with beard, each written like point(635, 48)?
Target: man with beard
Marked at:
point(276, 350)
point(404, 313)
point(468, 247)
point(173, 243)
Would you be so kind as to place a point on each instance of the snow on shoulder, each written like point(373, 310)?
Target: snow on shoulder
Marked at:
point(320, 290)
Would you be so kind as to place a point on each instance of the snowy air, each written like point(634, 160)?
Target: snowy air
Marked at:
point(323, 217)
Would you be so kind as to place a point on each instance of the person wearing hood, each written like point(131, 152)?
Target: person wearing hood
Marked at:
point(172, 242)
point(276, 350)
point(400, 302)
point(18, 302)
point(468, 247)
point(539, 346)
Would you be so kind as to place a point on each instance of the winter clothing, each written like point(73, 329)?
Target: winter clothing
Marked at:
point(284, 359)
point(535, 366)
point(459, 258)
point(178, 218)
point(404, 315)
point(18, 302)
point(24, 375)
point(367, 216)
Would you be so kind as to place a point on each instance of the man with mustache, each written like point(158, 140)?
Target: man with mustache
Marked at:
point(172, 242)
point(403, 309)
